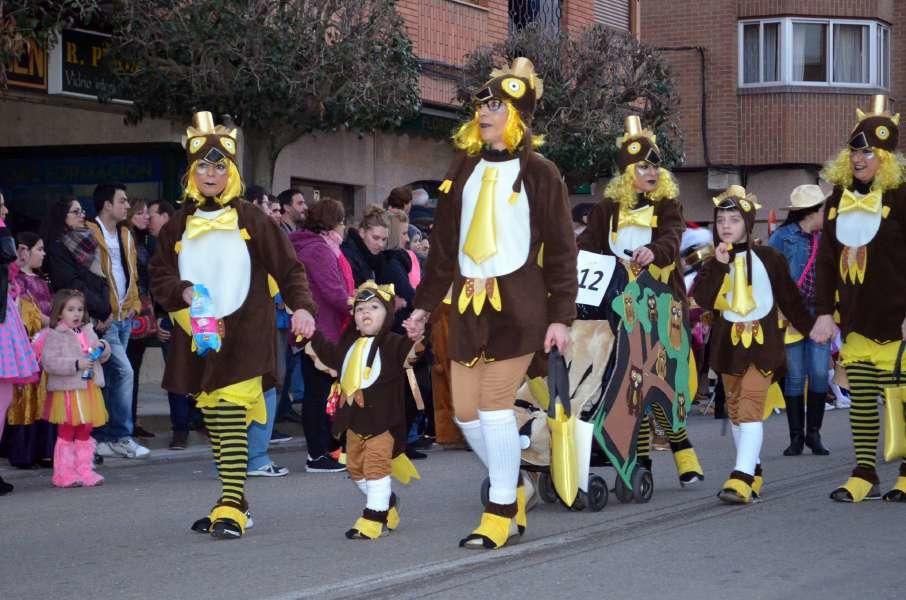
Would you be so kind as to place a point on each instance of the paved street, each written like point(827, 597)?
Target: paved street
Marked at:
point(130, 537)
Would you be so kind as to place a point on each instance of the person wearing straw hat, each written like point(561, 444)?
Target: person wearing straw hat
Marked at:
point(797, 239)
point(503, 240)
point(223, 244)
point(861, 282)
point(746, 285)
point(640, 221)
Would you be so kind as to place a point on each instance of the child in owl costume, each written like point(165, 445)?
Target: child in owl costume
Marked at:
point(228, 246)
point(745, 286)
point(640, 222)
point(371, 362)
point(861, 283)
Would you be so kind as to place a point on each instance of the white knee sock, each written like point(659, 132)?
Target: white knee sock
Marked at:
point(471, 430)
point(749, 447)
point(734, 429)
point(378, 494)
point(363, 485)
point(501, 439)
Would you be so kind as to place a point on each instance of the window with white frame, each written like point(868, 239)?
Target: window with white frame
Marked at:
point(760, 51)
point(814, 52)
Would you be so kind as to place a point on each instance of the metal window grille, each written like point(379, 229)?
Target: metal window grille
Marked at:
point(544, 14)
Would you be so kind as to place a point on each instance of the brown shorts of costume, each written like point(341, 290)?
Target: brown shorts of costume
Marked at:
point(746, 395)
point(486, 385)
point(368, 457)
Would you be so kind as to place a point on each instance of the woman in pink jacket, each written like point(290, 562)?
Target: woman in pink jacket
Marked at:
point(317, 247)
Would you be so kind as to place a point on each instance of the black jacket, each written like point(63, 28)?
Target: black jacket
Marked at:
point(365, 265)
point(66, 273)
point(394, 268)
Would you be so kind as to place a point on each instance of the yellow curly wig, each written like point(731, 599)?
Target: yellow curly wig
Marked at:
point(468, 136)
point(891, 170)
point(621, 188)
point(233, 189)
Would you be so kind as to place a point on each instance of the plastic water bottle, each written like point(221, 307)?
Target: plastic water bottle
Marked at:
point(93, 354)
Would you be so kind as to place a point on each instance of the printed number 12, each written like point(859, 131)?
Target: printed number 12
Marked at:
point(593, 286)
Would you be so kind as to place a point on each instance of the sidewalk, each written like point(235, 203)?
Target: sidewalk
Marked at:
point(154, 415)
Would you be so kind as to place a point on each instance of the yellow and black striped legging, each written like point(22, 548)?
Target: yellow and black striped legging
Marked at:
point(678, 439)
point(229, 441)
point(866, 383)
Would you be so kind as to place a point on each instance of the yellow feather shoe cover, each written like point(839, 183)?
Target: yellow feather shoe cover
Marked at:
point(856, 489)
point(366, 529)
point(393, 513)
point(756, 487)
point(735, 491)
point(898, 493)
point(687, 465)
point(492, 533)
point(223, 518)
point(521, 517)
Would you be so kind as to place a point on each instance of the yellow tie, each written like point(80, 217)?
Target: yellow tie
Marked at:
point(481, 241)
point(743, 303)
point(870, 203)
point(351, 380)
point(195, 226)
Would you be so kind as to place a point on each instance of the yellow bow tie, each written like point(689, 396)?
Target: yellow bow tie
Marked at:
point(643, 218)
point(355, 371)
point(870, 203)
point(195, 226)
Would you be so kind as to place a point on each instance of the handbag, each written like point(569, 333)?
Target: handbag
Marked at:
point(144, 324)
point(895, 413)
point(564, 469)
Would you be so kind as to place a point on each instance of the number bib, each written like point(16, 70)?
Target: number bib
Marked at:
point(594, 273)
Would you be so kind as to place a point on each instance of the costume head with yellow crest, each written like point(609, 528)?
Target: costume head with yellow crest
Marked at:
point(735, 198)
point(638, 157)
point(516, 88)
point(369, 298)
point(876, 134)
point(213, 173)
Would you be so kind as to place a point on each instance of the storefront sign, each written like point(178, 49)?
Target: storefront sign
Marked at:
point(77, 66)
point(30, 70)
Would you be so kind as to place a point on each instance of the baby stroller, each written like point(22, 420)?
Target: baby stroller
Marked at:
point(552, 410)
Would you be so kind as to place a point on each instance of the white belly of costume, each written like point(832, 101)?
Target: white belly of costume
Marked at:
point(857, 228)
point(761, 292)
point(367, 378)
point(220, 260)
point(512, 223)
point(629, 238)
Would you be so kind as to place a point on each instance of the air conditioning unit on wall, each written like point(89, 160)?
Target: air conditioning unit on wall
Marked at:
point(721, 179)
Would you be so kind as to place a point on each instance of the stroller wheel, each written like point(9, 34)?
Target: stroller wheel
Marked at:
point(623, 493)
point(546, 488)
point(486, 492)
point(597, 493)
point(642, 485)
